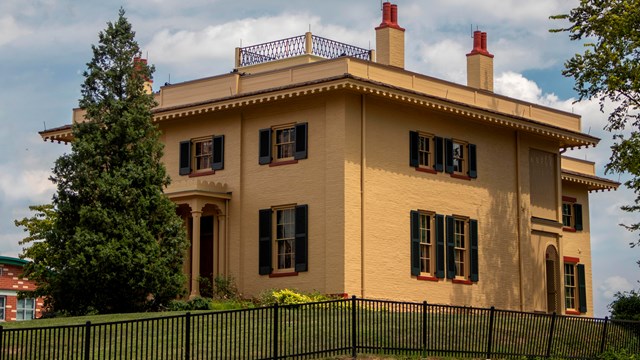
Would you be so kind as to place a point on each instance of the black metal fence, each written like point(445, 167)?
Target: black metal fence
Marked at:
point(325, 329)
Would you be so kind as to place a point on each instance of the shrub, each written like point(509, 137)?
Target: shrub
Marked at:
point(288, 297)
point(619, 355)
point(225, 288)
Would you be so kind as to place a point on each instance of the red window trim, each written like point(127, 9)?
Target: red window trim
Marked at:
point(458, 176)
point(569, 199)
point(460, 281)
point(202, 173)
point(277, 275)
point(278, 163)
point(571, 259)
point(427, 278)
point(568, 229)
point(426, 170)
point(572, 312)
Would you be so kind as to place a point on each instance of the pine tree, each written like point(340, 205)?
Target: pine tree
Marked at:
point(116, 244)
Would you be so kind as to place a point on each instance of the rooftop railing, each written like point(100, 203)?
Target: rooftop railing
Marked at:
point(307, 44)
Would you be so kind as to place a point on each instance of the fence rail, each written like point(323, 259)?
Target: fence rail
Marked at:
point(326, 329)
point(296, 46)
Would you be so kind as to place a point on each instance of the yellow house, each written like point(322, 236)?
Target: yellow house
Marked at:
point(318, 165)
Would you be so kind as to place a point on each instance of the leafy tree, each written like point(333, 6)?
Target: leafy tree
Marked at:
point(626, 306)
point(609, 70)
point(115, 243)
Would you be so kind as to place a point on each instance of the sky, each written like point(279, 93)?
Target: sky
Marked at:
point(45, 45)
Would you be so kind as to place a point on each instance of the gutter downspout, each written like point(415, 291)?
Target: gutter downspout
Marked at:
point(519, 214)
point(363, 163)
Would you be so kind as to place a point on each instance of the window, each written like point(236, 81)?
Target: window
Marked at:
point(26, 309)
point(3, 305)
point(433, 154)
point(460, 246)
point(571, 214)
point(283, 240)
point(285, 228)
point(202, 155)
point(575, 294)
point(283, 144)
point(434, 258)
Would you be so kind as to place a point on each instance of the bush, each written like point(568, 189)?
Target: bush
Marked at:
point(225, 288)
point(619, 355)
point(626, 306)
point(288, 297)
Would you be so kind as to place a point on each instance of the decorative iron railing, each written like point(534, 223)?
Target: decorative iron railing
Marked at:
point(295, 46)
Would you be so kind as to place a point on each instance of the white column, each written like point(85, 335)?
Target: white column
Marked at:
point(195, 254)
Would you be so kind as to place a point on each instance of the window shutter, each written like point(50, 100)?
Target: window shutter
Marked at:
point(413, 149)
point(577, 213)
point(218, 153)
point(451, 262)
point(448, 156)
point(439, 154)
point(582, 289)
point(440, 246)
point(473, 229)
point(185, 157)
point(301, 142)
point(264, 247)
point(265, 147)
point(301, 247)
point(415, 243)
point(473, 164)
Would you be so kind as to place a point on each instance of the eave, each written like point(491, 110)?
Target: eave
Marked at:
point(592, 182)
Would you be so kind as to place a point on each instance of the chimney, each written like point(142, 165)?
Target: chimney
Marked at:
point(390, 38)
point(480, 63)
point(148, 83)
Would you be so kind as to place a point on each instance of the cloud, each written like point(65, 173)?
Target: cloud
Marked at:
point(28, 184)
point(10, 30)
point(614, 284)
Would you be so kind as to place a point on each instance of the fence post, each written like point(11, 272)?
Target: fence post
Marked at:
point(87, 340)
point(553, 325)
point(1, 342)
point(424, 329)
point(187, 336)
point(604, 334)
point(354, 352)
point(275, 331)
point(490, 340)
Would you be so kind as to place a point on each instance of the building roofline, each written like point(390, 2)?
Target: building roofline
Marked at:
point(12, 261)
point(593, 183)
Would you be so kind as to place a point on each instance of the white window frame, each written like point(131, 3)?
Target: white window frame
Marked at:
point(206, 158)
point(426, 157)
point(460, 160)
point(285, 149)
point(427, 242)
point(22, 310)
point(288, 238)
point(461, 241)
point(571, 290)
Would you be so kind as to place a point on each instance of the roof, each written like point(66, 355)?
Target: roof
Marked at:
point(12, 261)
point(593, 183)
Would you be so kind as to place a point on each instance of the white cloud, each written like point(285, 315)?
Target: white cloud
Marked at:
point(614, 284)
point(10, 30)
point(25, 184)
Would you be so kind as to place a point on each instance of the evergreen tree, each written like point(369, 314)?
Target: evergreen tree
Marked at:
point(116, 243)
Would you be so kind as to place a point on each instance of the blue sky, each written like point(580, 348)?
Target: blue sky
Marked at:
point(45, 44)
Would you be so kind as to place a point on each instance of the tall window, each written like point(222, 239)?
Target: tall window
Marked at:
point(285, 237)
point(203, 154)
point(284, 144)
point(570, 293)
point(567, 214)
point(26, 309)
point(3, 304)
point(425, 151)
point(460, 246)
point(427, 260)
point(459, 163)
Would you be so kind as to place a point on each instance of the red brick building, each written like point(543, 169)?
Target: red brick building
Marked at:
point(11, 281)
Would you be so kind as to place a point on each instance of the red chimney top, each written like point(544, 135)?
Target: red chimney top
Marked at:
point(389, 16)
point(480, 44)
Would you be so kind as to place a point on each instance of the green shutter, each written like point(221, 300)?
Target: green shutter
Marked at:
point(413, 148)
point(264, 244)
point(218, 153)
point(301, 142)
point(582, 289)
point(440, 246)
point(577, 213)
point(473, 164)
point(448, 156)
point(301, 246)
point(265, 147)
point(451, 262)
point(439, 154)
point(415, 243)
point(185, 157)
point(473, 229)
